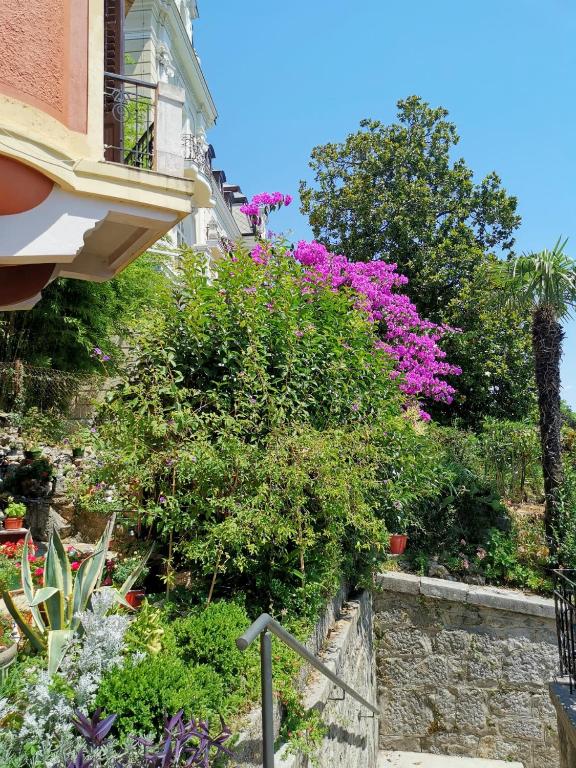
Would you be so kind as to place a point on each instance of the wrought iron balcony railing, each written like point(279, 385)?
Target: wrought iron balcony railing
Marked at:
point(129, 120)
point(565, 601)
point(196, 151)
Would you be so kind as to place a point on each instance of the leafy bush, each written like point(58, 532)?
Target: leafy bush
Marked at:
point(142, 692)
point(30, 478)
point(208, 636)
point(511, 454)
point(199, 669)
point(247, 429)
point(513, 560)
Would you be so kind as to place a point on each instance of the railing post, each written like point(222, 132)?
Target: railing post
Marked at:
point(267, 700)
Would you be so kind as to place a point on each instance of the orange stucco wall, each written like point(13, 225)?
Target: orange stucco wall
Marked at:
point(44, 57)
point(21, 187)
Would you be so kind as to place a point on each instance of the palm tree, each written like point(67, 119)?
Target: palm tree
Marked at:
point(545, 284)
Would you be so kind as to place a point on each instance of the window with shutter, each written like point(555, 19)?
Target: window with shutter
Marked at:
point(114, 14)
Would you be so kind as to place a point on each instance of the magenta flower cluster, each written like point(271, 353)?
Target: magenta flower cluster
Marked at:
point(411, 341)
point(263, 204)
point(271, 199)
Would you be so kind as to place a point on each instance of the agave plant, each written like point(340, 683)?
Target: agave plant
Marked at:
point(56, 606)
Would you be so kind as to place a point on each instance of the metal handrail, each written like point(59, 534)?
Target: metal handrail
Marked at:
point(262, 627)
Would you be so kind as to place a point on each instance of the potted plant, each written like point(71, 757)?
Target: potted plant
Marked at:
point(120, 571)
point(399, 523)
point(14, 516)
point(8, 646)
point(80, 438)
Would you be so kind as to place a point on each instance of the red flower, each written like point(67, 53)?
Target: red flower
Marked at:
point(75, 565)
point(39, 572)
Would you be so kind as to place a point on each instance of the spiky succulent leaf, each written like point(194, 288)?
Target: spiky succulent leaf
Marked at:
point(28, 584)
point(35, 638)
point(41, 595)
point(131, 580)
point(58, 641)
point(89, 575)
point(55, 576)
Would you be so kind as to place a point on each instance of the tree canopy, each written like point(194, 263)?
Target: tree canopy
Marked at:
point(395, 193)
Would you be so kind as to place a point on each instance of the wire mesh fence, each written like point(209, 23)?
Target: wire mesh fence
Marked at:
point(25, 386)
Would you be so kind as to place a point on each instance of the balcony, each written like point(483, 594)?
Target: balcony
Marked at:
point(129, 121)
point(197, 153)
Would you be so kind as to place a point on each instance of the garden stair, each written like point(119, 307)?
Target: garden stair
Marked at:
point(422, 760)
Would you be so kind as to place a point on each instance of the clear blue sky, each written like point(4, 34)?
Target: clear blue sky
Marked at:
point(288, 76)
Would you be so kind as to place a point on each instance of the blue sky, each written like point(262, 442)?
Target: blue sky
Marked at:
point(289, 76)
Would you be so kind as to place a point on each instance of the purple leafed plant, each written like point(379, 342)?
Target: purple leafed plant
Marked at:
point(94, 729)
point(80, 762)
point(185, 744)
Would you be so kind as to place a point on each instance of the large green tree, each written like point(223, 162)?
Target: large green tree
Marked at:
point(544, 285)
point(394, 192)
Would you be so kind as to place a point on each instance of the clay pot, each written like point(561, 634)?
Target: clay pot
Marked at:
point(134, 597)
point(13, 523)
point(398, 543)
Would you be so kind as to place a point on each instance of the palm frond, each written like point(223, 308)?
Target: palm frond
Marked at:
point(544, 278)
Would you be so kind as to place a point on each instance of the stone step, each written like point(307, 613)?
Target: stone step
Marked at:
point(422, 760)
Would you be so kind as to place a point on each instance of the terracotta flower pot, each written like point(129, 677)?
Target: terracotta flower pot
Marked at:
point(398, 543)
point(135, 597)
point(13, 523)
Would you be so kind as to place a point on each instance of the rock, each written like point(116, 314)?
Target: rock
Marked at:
point(476, 579)
point(438, 571)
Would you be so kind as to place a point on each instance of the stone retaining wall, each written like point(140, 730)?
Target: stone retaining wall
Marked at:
point(464, 670)
point(565, 704)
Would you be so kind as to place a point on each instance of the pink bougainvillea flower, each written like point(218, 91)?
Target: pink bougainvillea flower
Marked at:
point(411, 341)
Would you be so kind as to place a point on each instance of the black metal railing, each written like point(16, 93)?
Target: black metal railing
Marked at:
point(197, 152)
point(129, 119)
point(565, 602)
point(262, 627)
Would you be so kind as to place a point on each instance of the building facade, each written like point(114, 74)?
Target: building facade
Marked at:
point(104, 113)
point(91, 168)
point(159, 48)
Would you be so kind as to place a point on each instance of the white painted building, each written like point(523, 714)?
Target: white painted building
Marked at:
point(159, 47)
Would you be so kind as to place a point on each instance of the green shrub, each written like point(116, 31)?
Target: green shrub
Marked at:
point(511, 454)
point(567, 537)
point(208, 636)
point(514, 561)
point(143, 693)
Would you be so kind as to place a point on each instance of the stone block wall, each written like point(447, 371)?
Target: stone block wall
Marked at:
point(464, 670)
point(565, 704)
